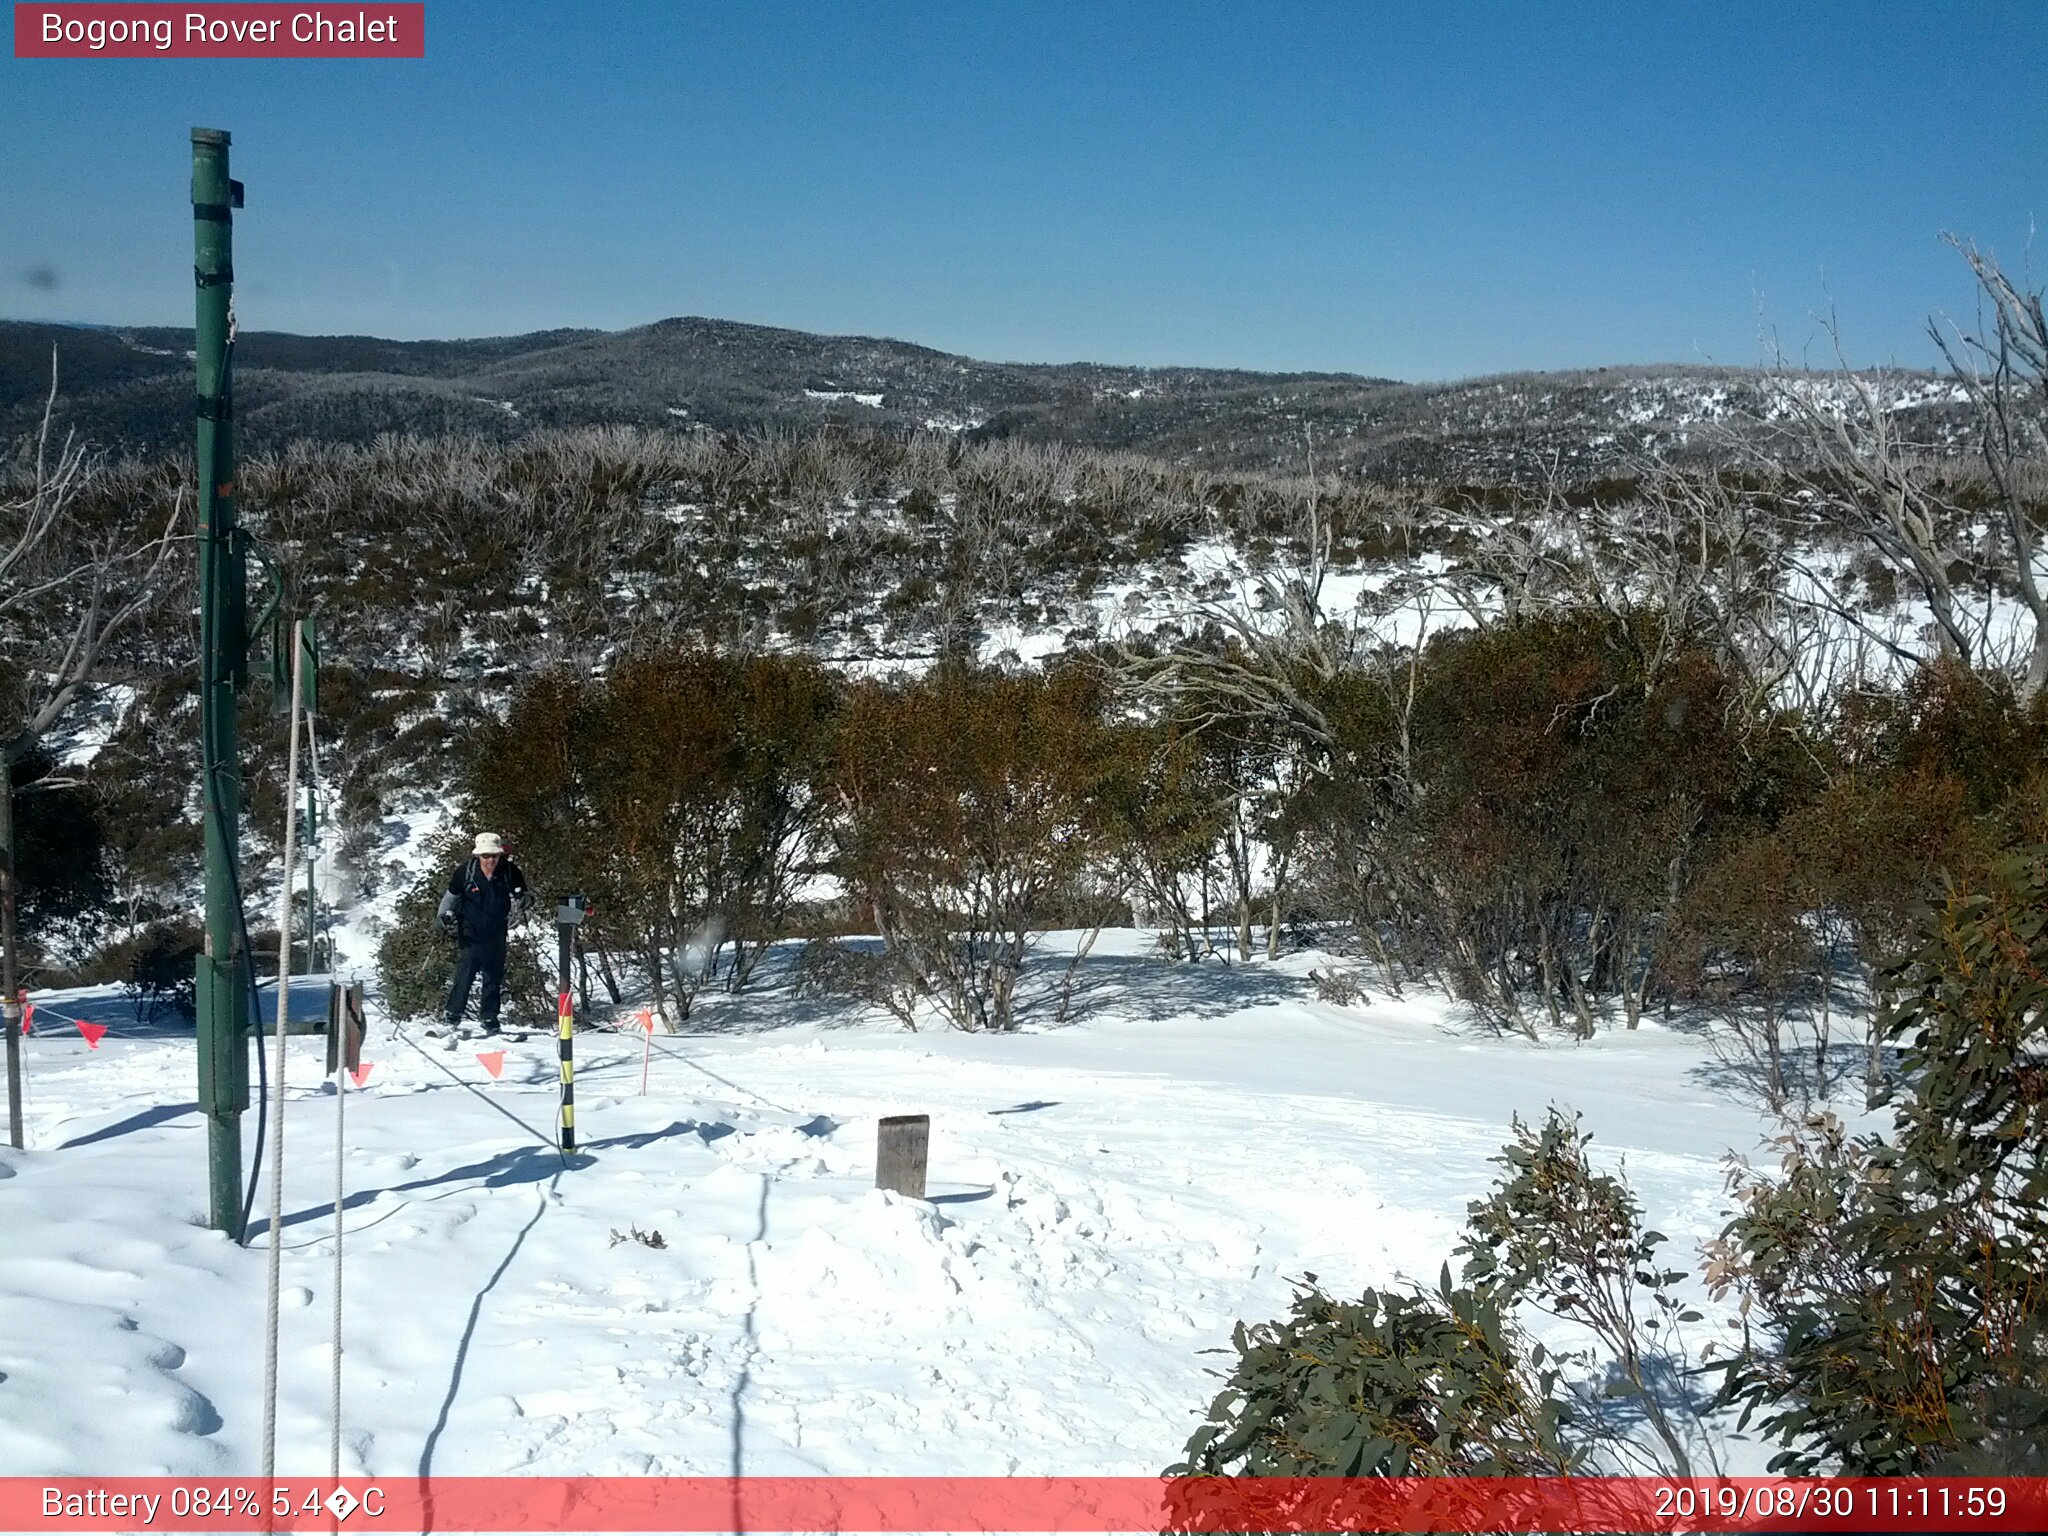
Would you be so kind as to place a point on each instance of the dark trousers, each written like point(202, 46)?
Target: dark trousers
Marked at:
point(478, 960)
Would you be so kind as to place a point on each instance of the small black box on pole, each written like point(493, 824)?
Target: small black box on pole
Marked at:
point(902, 1145)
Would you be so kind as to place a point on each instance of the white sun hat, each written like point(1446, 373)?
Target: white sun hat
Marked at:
point(487, 842)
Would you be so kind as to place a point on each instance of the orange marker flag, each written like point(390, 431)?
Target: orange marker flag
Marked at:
point(494, 1061)
point(361, 1072)
point(92, 1032)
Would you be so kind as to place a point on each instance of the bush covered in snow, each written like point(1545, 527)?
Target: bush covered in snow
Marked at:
point(1894, 1320)
point(1897, 1281)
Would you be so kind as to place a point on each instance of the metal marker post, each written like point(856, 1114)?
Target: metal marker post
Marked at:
point(568, 916)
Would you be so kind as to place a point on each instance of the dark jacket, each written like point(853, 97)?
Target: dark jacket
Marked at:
point(482, 908)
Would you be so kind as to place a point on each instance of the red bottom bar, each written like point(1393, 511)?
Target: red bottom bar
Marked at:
point(1110, 1504)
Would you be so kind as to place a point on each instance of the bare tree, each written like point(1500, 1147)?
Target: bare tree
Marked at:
point(1255, 654)
point(1522, 563)
point(1864, 472)
point(1863, 469)
point(2003, 368)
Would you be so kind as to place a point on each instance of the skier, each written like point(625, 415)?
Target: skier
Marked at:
point(485, 894)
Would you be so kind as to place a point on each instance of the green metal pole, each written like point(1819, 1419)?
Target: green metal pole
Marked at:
point(223, 986)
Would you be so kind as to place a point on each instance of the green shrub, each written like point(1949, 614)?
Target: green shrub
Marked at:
point(162, 966)
point(676, 793)
point(1571, 1241)
point(1391, 1385)
point(971, 803)
point(62, 898)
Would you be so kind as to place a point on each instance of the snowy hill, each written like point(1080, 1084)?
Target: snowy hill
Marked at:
point(133, 386)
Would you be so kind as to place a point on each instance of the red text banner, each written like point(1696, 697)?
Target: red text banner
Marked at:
point(1109, 1504)
point(236, 31)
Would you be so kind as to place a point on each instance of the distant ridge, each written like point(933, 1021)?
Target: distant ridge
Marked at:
point(129, 388)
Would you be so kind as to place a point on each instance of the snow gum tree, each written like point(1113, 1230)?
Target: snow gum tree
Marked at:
point(966, 803)
point(1570, 1240)
point(677, 793)
point(1163, 813)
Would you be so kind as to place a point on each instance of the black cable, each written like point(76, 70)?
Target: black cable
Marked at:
point(220, 821)
point(221, 830)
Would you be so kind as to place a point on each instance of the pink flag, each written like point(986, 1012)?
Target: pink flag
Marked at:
point(494, 1061)
point(28, 1017)
point(92, 1032)
point(361, 1072)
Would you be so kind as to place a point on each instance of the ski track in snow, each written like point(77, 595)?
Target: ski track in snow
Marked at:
point(1107, 1199)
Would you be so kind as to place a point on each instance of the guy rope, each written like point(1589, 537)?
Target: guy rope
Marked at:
point(284, 966)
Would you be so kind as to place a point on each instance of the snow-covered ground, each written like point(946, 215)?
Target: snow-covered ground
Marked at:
point(1107, 1197)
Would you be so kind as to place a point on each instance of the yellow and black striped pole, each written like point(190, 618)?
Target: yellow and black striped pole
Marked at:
point(566, 1019)
point(567, 917)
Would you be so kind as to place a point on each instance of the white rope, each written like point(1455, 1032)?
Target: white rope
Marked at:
point(340, 1099)
point(341, 1022)
point(313, 845)
point(27, 1141)
point(284, 962)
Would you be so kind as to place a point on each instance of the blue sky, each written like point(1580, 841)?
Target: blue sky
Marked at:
point(1419, 191)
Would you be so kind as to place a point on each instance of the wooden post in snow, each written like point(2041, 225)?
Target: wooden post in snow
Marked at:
point(902, 1144)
